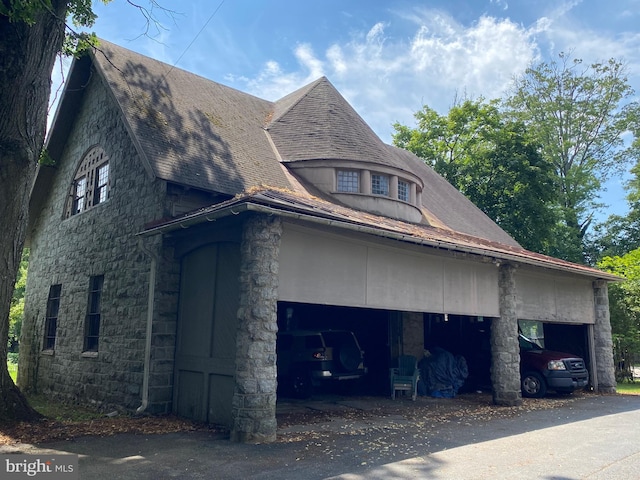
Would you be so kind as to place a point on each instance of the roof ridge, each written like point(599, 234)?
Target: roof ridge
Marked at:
point(300, 94)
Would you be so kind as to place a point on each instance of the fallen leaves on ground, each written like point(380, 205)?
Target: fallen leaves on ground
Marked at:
point(48, 430)
point(357, 416)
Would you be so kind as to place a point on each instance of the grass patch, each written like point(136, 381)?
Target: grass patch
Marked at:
point(13, 371)
point(62, 412)
point(628, 388)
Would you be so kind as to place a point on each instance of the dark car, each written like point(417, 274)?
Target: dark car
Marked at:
point(308, 358)
point(542, 370)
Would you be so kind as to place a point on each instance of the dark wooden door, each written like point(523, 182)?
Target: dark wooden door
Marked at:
point(207, 322)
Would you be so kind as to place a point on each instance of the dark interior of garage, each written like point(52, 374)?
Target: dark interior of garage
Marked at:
point(379, 333)
point(374, 330)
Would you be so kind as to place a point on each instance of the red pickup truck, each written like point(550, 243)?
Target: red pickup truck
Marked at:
point(542, 370)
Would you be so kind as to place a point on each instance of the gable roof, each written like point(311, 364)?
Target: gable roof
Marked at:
point(190, 130)
point(195, 132)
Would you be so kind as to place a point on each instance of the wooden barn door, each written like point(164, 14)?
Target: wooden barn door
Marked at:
point(206, 343)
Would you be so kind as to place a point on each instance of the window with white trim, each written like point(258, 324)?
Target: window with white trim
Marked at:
point(403, 191)
point(379, 184)
point(91, 183)
point(348, 181)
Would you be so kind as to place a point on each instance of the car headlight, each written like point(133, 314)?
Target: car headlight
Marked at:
point(556, 365)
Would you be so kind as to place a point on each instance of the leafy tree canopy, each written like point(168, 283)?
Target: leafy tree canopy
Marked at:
point(493, 161)
point(578, 115)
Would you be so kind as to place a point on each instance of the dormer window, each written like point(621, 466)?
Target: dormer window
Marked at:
point(403, 191)
point(380, 184)
point(348, 181)
point(90, 183)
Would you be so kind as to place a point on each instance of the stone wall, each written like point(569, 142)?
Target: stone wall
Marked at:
point(505, 348)
point(98, 241)
point(254, 398)
point(413, 334)
point(603, 343)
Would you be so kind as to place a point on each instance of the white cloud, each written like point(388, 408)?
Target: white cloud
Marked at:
point(387, 78)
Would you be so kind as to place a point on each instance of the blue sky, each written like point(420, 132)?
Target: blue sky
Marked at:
point(386, 58)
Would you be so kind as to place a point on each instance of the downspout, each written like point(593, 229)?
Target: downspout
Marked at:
point(147, 348)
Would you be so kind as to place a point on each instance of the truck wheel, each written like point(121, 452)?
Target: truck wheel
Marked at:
point(533, 385)
point(301, 385)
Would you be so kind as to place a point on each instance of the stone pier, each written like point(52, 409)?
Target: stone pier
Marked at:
point(505, 348)
point(254, 398)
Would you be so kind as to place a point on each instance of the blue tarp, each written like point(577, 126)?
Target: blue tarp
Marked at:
point(441, 373)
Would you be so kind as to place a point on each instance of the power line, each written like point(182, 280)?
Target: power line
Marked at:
point(193, 41)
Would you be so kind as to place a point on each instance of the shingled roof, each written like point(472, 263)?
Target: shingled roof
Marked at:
point(316, 122)
point(192, 131)
point(319, 211)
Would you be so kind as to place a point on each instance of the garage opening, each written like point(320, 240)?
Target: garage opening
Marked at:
point(470, 337)
point(377, 332)
point(466, 336)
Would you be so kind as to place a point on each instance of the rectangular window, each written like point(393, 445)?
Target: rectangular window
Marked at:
point(379, 184)
point(92, 322)
point(348, 181)
point(403, 191)
point(51, 320)
point(101, 190)
point(79, 192)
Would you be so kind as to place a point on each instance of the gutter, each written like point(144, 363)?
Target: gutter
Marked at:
point(147, 347)
point(497, 256)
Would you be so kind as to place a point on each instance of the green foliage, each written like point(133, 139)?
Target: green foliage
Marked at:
point(45, 158)
point(624, 304)
point(621, 234)
point(16, 313)
point(80, 12)
point(490, 160)
point(23, 10)
point(578, 116)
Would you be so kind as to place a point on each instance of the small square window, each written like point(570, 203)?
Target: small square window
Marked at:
point(348, 181)
point(403, 191)
point(380, 184)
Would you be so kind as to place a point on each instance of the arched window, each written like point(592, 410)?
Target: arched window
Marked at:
point(90, 183)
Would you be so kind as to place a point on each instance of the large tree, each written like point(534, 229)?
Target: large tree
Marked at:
point(578, 115)
point(32, 34)
point(490, 160)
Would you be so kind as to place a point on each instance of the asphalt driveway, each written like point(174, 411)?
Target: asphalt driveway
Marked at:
point(584, 437)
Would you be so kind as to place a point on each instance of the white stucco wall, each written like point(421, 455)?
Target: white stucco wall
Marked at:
point(554, 297)
point(326, 268)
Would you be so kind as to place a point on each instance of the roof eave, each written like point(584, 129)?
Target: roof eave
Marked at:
point(243, 205)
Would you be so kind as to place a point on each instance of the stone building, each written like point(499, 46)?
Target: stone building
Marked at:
point(183, 223)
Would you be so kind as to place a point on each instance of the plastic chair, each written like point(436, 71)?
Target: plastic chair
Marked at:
point(404, 378)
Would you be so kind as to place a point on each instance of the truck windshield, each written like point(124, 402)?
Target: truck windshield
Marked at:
point(527, 344)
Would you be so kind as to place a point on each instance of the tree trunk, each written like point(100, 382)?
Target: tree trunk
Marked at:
point(27, 56)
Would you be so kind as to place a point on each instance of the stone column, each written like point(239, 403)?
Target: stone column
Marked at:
point(603, 343)
point(254, 397)
point(413, 334)
point(505, 348)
